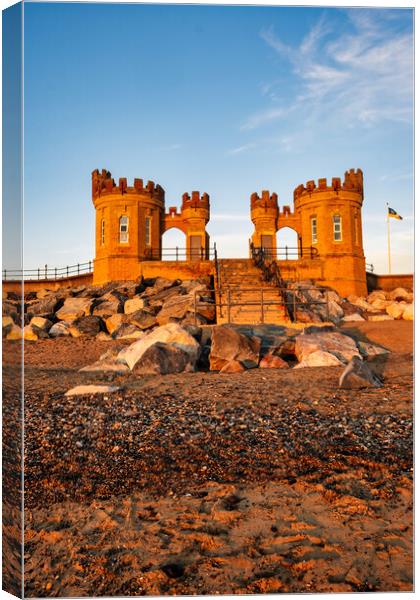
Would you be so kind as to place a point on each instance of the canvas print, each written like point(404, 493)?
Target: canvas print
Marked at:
point(208, 299)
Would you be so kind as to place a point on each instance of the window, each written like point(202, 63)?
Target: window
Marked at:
point(337, 228)
point(314, 230)
point(123, 230)
point(148, 231)
point(103, 231)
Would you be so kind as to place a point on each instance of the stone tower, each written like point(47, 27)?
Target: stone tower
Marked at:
point(325, 217)
point(192, 220)
point(129, 226)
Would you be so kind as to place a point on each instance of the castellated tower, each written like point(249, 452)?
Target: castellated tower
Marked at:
point(130, 222)
point(129, 225)
point(327, 218)
point(331, 222)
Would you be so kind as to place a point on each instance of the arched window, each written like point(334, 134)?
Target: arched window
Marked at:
point(338, 235)
point(123, 229)
point(314, 229)
point(103, 232)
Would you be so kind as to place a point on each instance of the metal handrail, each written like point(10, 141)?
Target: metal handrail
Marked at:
point(370, 268)
point(47, 272)
point(178, 253)
point(287, 252)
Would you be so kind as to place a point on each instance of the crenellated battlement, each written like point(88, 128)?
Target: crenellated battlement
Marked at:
point(104, 184)
point(195, 201)
point(265, 200)
point(353, 182)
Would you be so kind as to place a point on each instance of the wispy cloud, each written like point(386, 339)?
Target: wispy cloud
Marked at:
point(361, 73)
point(171, 147)
point(240, 149)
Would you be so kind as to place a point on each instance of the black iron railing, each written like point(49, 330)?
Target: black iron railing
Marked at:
point(285, 252)
point(47, 272)
point(178, 254)
point(370, 268)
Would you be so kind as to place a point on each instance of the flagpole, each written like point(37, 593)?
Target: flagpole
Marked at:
point(389, 240)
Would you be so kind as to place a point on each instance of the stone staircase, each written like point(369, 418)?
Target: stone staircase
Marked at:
point(240, 281)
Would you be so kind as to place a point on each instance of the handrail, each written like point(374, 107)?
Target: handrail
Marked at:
point(370, 268)
point(46, 272)
point(217, 272)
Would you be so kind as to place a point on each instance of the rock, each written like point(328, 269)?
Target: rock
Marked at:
point(143, 319)
point(43, 293)
point(399, 294)
point(175, 307)
point(350, 309)
point(318, 329)
point(103, 336)
point(332, 311)
point(108, 304)
point(133, 305)
point(115, 321)
point(41, 323)
point(271, 361)
point(380, 317)
point(233, 366)
point(305, 315)
point(127, 331)
point(163, 359)
point(29, 334)
point(361, 302)
point(60, 330)
point(11, 309)
point(380, 303)
point(171, 333)
point(228, 344)
point(368, 350)
point(7, 324)
point(353, 317)
point(108, 365)
point(73, 308)
point(15, 333)
point(357, 375)
point(159, 299)
point(408, 314)
point(89, 325)
point(45, 307)
point(342, 346)
point(376, 295)
point(160, 284)
point(83, 390)
point(396, 309)
point(332, 296)
point(319, 358)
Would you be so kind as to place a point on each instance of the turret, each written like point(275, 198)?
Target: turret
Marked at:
point(192, 220)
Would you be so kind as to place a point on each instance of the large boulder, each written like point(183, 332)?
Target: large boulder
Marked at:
point(61, 329)
point(44, 307)
point(127, 331)
point(331, 311)
point(399, 294)
point(380, 303)
point(162, 359)
point(134, 304)
point(228, 344)
point(357, 375)
point(377, 295)
point(369, 350)
point(408, 314)
point(360, 302)
point(15, 333)
point(106, 365)
point(73, 308)
point(41, 323)
point(113, 322)
point(396, 309)
point(143, 319)
point(171, 333)
point(340, 345)
point(7, 324)
point(175, 308)
point(320, 358)
point(353, 317)
point(85, 326)
point(29, 334)
point(108, 304)
point(233, 366)
point(160, 284)
point(272, 361)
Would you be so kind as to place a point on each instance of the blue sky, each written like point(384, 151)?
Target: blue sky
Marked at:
point(227, 100)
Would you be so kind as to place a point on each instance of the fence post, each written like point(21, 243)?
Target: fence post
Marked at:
point(90, 266)
point(38, 272)
point(287, 255)
point(46, 272)
point(262, 305)
point(300, 247)
point(55, 273)
point(228, 299)
point(176, 254)
point(4, 274)
point(78, 268)
point(67, 270)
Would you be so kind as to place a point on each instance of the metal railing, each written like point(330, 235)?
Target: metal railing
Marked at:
point(288, 298)
point(370, 268)
point(46, 272)
point(178, 254)
point(285, 252)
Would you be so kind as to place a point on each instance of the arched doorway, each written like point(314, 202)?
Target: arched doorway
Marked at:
point(288, 244)
point(174, 244)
